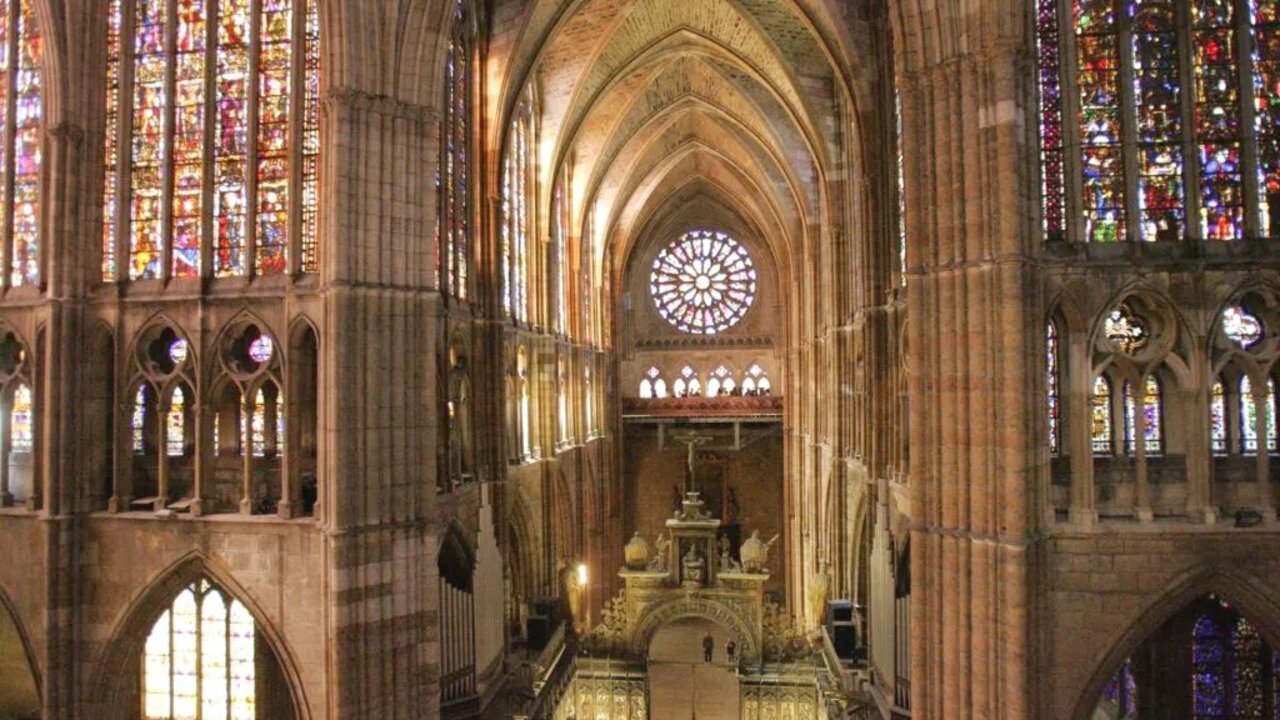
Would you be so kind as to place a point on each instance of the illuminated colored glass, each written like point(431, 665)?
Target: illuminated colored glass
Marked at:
point(560, 256)
point(1048, 53)
point(1208, 658)
point(198, 662)
point(1241, 327)
point(24, 216)
point(1151, 418)
point(175, 424)
point(310, 136)
point(261, 348)
point(1100, 402)
point(111, 143)
point(1098, 80)
point(1218, 420)
point(1265, 19)
point(150, 141)
point(455, 207)
point(275, 63)
point(1052, 371)
point(21, 421)
point(258, 424)
point(1126, 331)
point(1217, 119)
point(1249, 425)
point(1157, 97)
point(138, 420)
point(703, 283)
point(188, 139)
point(1122, 691)
point(253, 195)
point(515, 221)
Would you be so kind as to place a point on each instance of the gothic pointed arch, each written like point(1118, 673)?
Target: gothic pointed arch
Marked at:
point(19, 669)
point(116, 679)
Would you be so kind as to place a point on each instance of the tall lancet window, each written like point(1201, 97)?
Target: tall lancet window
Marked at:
point(1053, 371)
point(234, 85)
point(453, 180)
point(21, 121)
point(1174, 107)
point(514, 230)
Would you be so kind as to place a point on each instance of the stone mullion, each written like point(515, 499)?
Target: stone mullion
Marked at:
point(1129, 132)
point(247, 397)
point(1199, 455)
point(1072, 149)
point(1187, 120)
point(166, 161)
point(1266, 495)
point(1245, 42)
point(297, 111)
point(1142, 485)
point(208, 177)
point(252, 96)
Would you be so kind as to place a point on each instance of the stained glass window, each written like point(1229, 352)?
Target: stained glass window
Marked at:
point(703, 283)
point(155, 218)
point(455, 158)
point(198, 662)
point(1126, 330)
point(1241, 327)
point(1157, 100)
point(1048, 50)
point(1208, 661)
point(1122, 692)
point(1265, 18)
point(138, 420)
point(21, 158)
point(1052, 371)
point(258, 424)
point(175, 424)
point(755, 381)
point(647, 389)
point(560, 259)
point(1151, 417)
point(514, 230)
point(21, 421)
point(1218, 420)
point(1101, 414)
point(1249, 426)
point(1186, 149)
point(902, 189)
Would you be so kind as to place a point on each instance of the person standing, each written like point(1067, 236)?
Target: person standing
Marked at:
point(708, 646)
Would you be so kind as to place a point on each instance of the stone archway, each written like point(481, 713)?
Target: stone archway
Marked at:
point(19, 688)
point(745, 630)
point(682, 683)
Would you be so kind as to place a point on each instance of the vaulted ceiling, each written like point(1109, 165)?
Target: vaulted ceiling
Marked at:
point(667, 109)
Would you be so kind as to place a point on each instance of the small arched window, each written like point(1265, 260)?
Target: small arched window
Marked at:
point(21, 421)
point(1251, 428)
point(1052, 373)
point(1218, 419)
point(1149, 423)
point(1100, 402)
point(175, 424)
point(138, 420)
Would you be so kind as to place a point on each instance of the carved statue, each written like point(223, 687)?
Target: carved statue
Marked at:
point(754, 553)
point(573, 595)
point(637, 553)
point(694, 567)
point(659, 560)
point(727, 563)
point(819, 586)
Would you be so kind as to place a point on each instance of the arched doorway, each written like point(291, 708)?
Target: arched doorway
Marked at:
point(19, 697)
point(682, 683)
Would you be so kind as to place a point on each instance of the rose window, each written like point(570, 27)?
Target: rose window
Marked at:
point(703, 283)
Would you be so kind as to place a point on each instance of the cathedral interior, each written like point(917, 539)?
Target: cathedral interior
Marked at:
point(639, 359)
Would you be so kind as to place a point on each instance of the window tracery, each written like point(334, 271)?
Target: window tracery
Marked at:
point(1159, 159)
point(1052, 370)
point(1101, 413)
point(21, 123)
point(1149, 423)
point(703, 283)
point(263, 189)
point(198, 662)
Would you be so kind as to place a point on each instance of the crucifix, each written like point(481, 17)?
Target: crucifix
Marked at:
point(692, 440)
